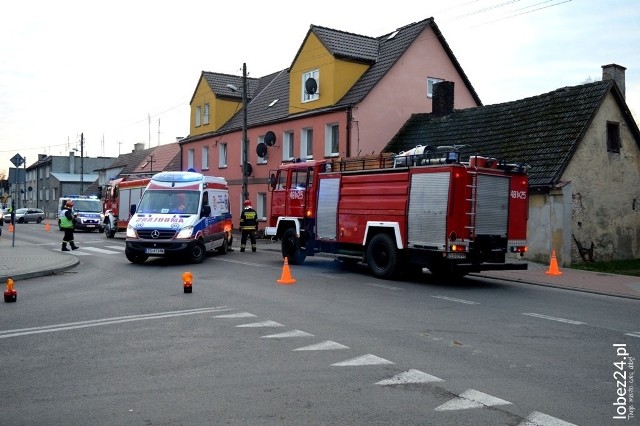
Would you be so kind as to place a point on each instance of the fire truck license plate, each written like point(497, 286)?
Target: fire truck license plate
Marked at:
point(154, 251)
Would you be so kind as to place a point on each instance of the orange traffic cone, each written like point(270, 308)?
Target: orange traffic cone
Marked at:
point(10, 295)
point(553, 266)
point(286, 277)
point(47, 227)
point(11, 227)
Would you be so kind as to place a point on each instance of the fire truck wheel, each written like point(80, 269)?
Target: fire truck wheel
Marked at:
point(136, 258)
point(291, 247)
point(198, 252)
point(382, 256)
point(110, 233)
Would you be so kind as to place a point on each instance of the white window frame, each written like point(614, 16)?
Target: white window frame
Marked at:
point(306, 143)
point(222, 155)
point(329, 140)
point(261, 205)
point(431, 81)
point(205, 119)
point(198, 115)
point(205, 158)
point(288, 146)
point(190, 158)
point(262, 160)
point(315, 74)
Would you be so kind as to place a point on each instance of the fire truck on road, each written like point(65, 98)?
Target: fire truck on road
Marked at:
point(402, 213)
point(118, 197)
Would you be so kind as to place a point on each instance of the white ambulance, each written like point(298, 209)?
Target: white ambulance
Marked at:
point(183, 214)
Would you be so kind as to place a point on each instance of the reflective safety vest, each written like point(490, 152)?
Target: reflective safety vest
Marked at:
point(65, 222)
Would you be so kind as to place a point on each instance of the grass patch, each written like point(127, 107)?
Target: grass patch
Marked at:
point(622, 267)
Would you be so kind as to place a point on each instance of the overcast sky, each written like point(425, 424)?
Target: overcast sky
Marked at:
point(123, 72)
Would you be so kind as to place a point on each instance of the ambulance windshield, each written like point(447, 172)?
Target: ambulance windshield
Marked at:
point(169, 202)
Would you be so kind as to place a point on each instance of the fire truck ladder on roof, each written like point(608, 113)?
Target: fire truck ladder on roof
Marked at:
point(473, 203)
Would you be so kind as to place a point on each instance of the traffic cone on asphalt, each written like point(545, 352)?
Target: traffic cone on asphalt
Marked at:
point(47, 227)
point(10, 227)
point(286, 277)
point(553, 266)
point(10, 295)
point(187, 282)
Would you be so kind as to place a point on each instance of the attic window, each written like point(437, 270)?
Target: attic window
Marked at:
point(613, 137)
point(392, 35)
point(311, 86)
point(273, 103)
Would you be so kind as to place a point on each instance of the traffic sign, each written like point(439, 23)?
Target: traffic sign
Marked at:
point(17, 160)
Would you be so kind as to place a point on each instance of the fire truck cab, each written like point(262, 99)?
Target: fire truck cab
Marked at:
point(432, 212)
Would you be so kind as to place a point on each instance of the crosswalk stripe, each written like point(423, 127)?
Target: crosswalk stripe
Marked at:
point(99, 250)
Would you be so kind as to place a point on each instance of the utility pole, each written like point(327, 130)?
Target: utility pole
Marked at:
point(245, 142)
point(149, 119)
point(81, 163)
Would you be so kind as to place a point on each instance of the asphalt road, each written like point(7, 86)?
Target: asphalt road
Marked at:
point(110, 342)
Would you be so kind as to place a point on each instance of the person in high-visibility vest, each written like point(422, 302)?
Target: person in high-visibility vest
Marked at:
point(67, 223)
point(248, 226)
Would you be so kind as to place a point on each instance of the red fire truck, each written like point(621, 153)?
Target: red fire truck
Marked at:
point(402, 213)
point(118, 197)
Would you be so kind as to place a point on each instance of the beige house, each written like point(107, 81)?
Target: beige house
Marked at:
point(583, 147)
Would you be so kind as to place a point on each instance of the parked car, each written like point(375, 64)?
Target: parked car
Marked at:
point(26, 215)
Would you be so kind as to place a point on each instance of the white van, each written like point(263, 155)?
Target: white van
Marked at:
point(182, 214)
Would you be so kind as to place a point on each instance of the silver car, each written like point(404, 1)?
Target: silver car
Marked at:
point(26, 215)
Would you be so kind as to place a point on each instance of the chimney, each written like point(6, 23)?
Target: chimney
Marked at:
point(616, 73)
point(42, 157)
point(442, 101)
point(138, 147)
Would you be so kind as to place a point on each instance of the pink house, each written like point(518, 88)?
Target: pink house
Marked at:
point(344, 95)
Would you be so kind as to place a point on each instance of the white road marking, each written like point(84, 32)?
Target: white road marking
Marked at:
point(99, 250)
point(262, 324)
point(261, 265)
point(293, 333)
point(411, 376)
point(363, 360)
point(633, 334)
point(568, 321)
point(471, 398)
point(106, 321)
point(451, 299)
point(540, 419)
point(386, 287)
point(323, 346)
point(236, 315)
point(121, 248)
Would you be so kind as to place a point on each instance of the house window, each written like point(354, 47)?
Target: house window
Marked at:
point(430, 83)
point(205, 119)
point(311, 86)
point(205, 158)
point(306, 144)
point(613, 136)
point(198, 115)
point(261, 207)
point(332, 140)
point(190, 158)
point(287, 149)
point(222, 155)
point(261, 160)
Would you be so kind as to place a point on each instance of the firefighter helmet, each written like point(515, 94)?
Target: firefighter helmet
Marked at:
point(247, 203)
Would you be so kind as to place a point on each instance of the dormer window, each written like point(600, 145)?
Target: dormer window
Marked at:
point(311, 86)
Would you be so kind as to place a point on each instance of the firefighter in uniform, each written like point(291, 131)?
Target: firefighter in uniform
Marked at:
point(67, 222)
point(248, 226)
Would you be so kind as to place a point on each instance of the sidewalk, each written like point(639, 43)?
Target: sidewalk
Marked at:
point(26, 260)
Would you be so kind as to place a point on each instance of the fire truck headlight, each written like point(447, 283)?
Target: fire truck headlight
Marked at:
point(131, 233)
point(185, 232)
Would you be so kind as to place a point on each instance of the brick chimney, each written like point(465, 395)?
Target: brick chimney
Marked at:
point(616, 73)
point(442, 101)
